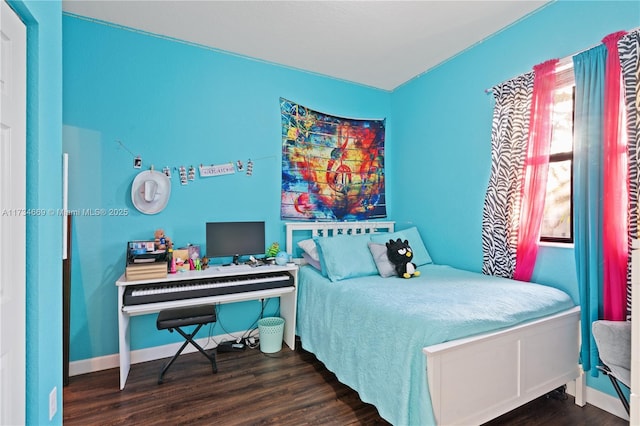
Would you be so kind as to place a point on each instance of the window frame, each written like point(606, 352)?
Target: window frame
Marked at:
point(565, 156)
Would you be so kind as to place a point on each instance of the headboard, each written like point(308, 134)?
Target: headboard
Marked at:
point(330, 229)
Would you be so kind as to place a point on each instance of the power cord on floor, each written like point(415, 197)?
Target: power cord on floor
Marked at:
point(247, 339)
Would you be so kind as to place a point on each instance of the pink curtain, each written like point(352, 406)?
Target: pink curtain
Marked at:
point(536, 169)
point(615, 190)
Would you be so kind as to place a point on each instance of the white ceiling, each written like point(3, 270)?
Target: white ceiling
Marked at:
point(376, 43)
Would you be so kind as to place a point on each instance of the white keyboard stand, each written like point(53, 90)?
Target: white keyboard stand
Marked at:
point(288, 301)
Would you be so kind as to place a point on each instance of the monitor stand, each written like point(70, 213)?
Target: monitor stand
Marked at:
point(236, 257)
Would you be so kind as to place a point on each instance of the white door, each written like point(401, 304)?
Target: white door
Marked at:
point(13, 68)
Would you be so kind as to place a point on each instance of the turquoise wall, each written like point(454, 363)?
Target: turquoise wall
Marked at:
point(441, 153)
point(44, 233)
point(173, 104)
point(179, 104)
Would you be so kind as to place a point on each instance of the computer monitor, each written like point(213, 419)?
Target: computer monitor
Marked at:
point(235, 239)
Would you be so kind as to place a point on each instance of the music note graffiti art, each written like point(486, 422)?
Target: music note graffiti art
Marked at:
point(332, 167)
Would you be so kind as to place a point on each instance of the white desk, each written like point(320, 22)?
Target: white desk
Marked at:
point(288, 301)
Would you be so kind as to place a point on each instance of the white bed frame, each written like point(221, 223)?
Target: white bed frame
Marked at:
point(476, 379)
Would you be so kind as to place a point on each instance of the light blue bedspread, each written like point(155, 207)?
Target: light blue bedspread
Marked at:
point(370, 331)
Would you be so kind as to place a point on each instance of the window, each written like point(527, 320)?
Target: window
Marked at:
point(557, 220)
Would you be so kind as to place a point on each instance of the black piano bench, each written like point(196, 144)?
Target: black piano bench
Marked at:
point(173, 319)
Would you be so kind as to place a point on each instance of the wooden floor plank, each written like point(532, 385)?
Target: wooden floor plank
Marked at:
point(252, 388)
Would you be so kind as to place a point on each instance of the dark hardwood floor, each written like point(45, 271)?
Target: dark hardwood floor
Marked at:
point(252, 388)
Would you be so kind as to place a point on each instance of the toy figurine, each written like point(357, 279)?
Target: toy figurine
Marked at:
point(273, 249)
point(162, 242)
point(401, 255)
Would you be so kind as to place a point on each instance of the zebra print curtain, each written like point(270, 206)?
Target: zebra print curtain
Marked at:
point(629, 48)
point(501, 212)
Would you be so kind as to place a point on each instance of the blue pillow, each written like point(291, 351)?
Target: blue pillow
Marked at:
point(420, 253)
point(346, 256)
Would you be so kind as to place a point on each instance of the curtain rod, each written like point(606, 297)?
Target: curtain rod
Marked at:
point(566, 61)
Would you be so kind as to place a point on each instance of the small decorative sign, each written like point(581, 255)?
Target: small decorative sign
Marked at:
point(217, 170)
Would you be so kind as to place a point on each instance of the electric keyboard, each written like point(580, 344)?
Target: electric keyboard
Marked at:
point(214, 286)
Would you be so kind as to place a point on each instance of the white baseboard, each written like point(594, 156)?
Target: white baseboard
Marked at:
point(594, 397)
point(143, 355)
point(602, 400)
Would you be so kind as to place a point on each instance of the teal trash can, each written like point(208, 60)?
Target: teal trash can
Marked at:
point(271, 330)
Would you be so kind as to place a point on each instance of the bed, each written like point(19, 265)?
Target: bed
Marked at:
point(446, 347)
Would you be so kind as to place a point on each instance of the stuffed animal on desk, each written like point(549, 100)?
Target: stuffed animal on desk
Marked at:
point(400, 254)
point(273, 250)
point(162, 242)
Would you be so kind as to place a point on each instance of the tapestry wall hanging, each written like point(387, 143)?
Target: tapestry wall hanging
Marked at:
point(332, 167)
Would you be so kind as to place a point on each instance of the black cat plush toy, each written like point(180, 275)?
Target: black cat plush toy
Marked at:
point(400, 254)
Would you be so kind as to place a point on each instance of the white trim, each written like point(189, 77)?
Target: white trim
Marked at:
point(602, 400)
point(14, 172)
point(556, 245)
point(107, 362)
point(65, 202)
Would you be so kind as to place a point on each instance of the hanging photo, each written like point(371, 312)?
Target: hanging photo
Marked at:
point(167, 171)
point(137, 162)
point(183, 175)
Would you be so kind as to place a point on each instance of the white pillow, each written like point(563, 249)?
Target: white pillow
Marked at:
point(309, 247)
point(386, 269)
point(311, 261)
